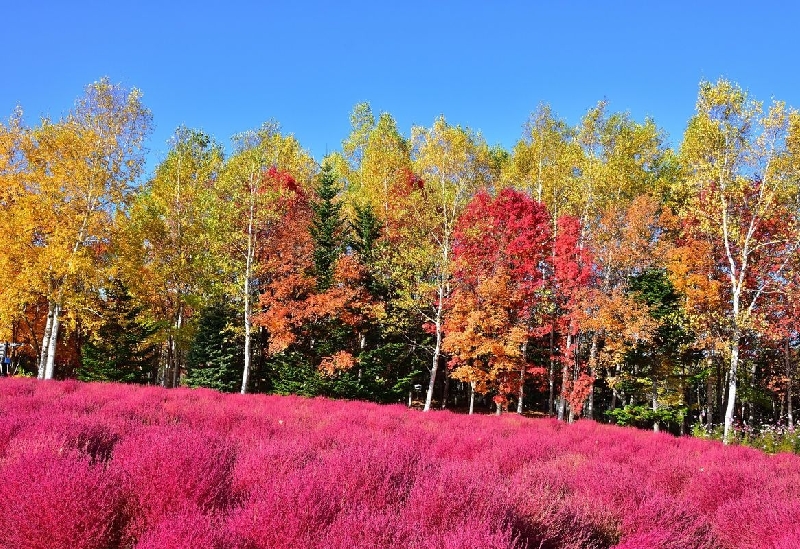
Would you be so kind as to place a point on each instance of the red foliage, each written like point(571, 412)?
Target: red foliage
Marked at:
point(577, 391)
point(281, 180)
point(501, 251)
point(572, 271)
point(509, 233)
point(413, 182)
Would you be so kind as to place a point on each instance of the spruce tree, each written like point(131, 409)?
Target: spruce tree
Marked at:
point(327, 228)
point(216, 355)
point(122, 349)
point(366, 229)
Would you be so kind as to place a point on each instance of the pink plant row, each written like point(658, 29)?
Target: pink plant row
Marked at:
point(100, 466)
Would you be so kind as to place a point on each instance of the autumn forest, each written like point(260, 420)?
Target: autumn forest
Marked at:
point(590, 271)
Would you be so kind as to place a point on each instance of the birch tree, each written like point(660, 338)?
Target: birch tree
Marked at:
point(453, 163)
point(741, 184)
point(174, 252)
point(264, 165)
point(79, 173)
point(15, 294)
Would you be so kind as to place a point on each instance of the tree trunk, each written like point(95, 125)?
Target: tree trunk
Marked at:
point(170, 364)
point(445, 391)
point(437, 350)
point(170, 348)
point(247, 338)
point(471, 397)
point(656, 426)
point(176, 354)
point(789, 375)
point(48, 329)
point(752, 417)
point(732, 378)
point(522, 378)
point(49, 370)
point(562, 402)
point(575, 375)
point(247, 274)
point(592, 361)
point(434, 367)
point(709, 393)
point(551, 377)
point(720, 391)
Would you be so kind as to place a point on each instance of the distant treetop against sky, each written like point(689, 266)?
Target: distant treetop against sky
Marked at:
point(228, 67)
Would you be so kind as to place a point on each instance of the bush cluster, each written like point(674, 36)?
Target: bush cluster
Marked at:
point(101, 466)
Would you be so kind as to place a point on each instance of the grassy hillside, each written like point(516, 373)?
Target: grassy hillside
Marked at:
point(96, 466)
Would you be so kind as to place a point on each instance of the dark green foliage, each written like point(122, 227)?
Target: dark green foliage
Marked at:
point(327, 228)
point(216, 355)
point(653, 288)
point(366, 230)
point(644, 416)
point(291, 373)
point(121, 350)
point(382, 375)
point(659, 365)
point(387, 373)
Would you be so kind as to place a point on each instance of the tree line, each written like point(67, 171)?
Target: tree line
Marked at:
point(590, 271)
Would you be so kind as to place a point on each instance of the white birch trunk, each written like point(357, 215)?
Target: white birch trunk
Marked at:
point(247, 305)
point(522, 377)
point(789, 376)
point(656, 426)
point(551, 374)
point(471, 397)
point(45, 342)
point(592, 362)
point(438, 323)
point(49, 369)
point(731, 407)
point(562, 402)
point(437, 351)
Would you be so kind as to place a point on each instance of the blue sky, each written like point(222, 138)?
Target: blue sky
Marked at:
point(226, 67)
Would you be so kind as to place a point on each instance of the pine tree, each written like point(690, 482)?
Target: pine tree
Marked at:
point(122, 349)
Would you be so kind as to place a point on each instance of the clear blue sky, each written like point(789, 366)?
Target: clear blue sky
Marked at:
point(226, 67)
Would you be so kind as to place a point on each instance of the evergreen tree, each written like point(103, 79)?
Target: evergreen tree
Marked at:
point(216, 355)
point(366, 230)
point(122, 349)
point(327, 228)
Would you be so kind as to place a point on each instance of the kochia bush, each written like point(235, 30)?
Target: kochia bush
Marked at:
point(93, 466)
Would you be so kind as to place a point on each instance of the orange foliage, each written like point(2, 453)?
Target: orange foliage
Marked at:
point(290, 302)
point(340, 361)
point(483, 333)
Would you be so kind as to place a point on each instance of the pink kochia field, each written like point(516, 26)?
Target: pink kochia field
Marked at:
point(94, 466)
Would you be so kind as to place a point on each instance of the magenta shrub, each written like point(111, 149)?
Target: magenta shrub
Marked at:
point(58, 501)
point(169, 469)
point(102, 466)
point(188, 530)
